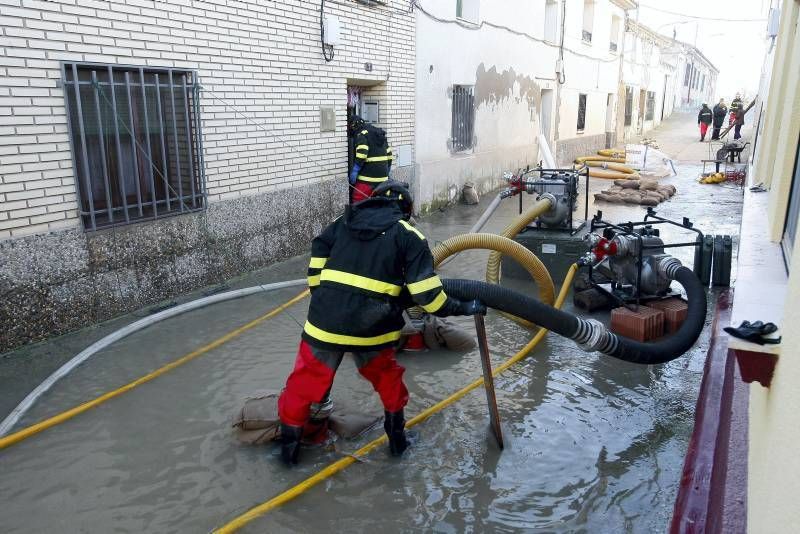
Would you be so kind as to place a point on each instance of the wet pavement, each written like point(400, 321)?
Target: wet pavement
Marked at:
point(593, 444)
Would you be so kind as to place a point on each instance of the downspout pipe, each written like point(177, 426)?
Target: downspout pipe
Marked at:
point(26, 404)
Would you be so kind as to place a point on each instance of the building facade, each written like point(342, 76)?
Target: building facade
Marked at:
point(151, 148)
point(590, 70)
point(649, 78)
point(773, 465)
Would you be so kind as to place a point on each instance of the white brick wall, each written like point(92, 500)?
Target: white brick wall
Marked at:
point(262, 57)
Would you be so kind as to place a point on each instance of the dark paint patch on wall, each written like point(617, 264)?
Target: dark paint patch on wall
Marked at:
point(493, 87)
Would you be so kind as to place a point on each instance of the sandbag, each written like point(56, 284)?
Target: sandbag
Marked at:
point(627, 184)
point(257, 422)
point(648, 185)
point(469, 194)
point(649, 201)
point(440, 333)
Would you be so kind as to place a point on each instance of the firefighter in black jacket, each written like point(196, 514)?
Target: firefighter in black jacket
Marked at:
point(366, 267)
point(720, 110)
point(704, 119)
point(373, 158)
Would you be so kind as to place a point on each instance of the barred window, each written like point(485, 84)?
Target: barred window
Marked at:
point(136, 142)
point(463, 122)
point(650, 110)
point(581, 112)
point(628, 106)
point(688, 75)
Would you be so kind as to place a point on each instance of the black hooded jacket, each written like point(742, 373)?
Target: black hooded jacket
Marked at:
point(366, 267)
point(374, 154)
point(705, 115)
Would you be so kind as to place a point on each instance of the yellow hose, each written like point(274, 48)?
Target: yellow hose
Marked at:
point(517, 225)
point(612, 175)
point(611, 152)
point(25, 433)
point(347, 461)
point(584, 159)
point(613, 166)
point(500, 245)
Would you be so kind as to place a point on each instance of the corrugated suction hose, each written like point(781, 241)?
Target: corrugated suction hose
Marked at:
point(590, 334)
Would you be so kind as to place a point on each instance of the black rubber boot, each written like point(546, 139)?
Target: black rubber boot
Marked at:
point(290, 443)
point(395, 425)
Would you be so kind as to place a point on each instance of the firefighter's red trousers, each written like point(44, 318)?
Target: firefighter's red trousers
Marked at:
point(703, 129)
point(360, 191)
point(313, 374)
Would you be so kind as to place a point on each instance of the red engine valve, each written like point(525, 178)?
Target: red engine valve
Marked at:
point(603, 248)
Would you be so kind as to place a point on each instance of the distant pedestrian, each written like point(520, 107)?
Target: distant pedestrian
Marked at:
point(738, 123)
point(704, 119)
point(720, 110)
point(736, 106)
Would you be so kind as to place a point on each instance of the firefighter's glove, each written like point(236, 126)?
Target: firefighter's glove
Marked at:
point(471, 307)
point(354, 173)
point(754, 332)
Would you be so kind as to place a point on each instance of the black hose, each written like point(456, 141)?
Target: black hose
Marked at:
point(592, 335)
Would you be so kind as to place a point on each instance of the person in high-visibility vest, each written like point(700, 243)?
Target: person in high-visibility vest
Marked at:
point(366, 268)
point(373, 158)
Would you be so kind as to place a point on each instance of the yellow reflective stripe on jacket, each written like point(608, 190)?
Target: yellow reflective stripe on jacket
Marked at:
point(411, 228)
point(341, 339)
point(313, 281)
point(364, 147)
point(362, 282)
point(361, 156)
point(372, 178)
point(317, 263)
point(424, 285)
point(379, 158)
point(436, 303)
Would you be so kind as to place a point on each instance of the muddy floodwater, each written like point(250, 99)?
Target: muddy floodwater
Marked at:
point(592, 444)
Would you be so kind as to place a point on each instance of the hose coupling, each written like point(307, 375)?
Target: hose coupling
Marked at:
point(591, 335)
point(669, 266)
point(550, 197)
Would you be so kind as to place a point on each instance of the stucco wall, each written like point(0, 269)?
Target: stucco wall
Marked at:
point(774, 463)
point(507, 73)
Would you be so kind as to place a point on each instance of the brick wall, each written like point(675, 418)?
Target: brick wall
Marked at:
point(263, 57)
point(273, 178)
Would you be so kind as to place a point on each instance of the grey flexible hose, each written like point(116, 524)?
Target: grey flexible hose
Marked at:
point(26, 404)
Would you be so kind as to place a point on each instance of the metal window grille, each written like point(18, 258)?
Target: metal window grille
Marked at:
point(136, 142)
point(587, 36)
point(463, 123)
point(628, 106)
point(581, 112)
point(688, 74)
point(612, 46)
point(651, 106)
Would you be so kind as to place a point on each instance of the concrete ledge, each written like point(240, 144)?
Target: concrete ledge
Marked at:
point(586, 145)
point(58, 282)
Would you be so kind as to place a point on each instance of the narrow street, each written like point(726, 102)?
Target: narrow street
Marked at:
point(594, 444)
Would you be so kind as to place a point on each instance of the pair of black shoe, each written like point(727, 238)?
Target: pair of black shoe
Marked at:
point(755, 332)
point(394, 424)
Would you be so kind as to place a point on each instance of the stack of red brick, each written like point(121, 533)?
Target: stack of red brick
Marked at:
point(649, 322)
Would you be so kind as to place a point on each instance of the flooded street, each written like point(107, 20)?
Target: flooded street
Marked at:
point(593, 444)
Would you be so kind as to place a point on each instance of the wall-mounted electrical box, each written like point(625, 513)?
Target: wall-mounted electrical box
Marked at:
point(327, 119)
point(331, 30)
point(370, 111)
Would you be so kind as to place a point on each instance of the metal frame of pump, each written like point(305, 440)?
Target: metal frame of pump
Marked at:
point(620, 240)
point(517, 183)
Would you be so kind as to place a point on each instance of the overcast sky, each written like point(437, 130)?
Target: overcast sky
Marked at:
point(736, 48)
